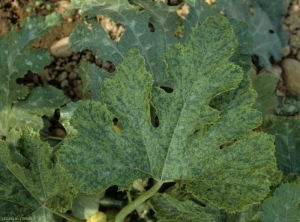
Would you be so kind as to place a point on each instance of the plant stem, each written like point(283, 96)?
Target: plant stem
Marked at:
point(69, 217)
point(128, 196)
point(141, 199)
point(51, 137)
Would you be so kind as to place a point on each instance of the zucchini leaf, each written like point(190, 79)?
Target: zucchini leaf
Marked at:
point(264, 21)
point(17, 108)
point(169, 209)
point(287, 140)
point(204, 138)
point(284, 205)
point(30, 179)
point(152, 45)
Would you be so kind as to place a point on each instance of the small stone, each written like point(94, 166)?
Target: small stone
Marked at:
point(69, 67)
point(285, 27)
point(286, 51)
point(294, 27)
point(294, 51)
point(106, 65)
point(61, 6)
point(78, 91)
point(62, 76)
point(71, 93)
point(59, 132)
point(295, 9)
point(35, 79)
point(72, 76)
point(64, 83)
point(291, 75)
point(61, 48)
point(277, 71)
point(45, 77)
point(98, 62)
point(298, 55)
point(88, 95)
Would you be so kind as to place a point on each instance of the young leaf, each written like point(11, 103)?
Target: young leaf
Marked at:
point(204, 137)
point(15, 61)
point(30, 178)
point(284, 206)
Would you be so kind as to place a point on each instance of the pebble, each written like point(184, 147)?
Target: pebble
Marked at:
point(45, 77)
point(61, 6)
point(72, 76)
point(64, 83)
point(69, 67)
point(277, 71)
point(291, 75)
point(78, 91)
point(61, 48)
point(62, 76)
point(286, 51)
point(106, 65)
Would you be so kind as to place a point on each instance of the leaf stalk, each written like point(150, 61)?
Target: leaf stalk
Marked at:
point(138, 201)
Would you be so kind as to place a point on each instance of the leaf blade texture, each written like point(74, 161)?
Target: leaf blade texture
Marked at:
point(15, 61)
point(31, 179)
point(151, 44)
point(287, 134)
point(264, 22)
point(283, 206)
point(170, 209)
point(209, 108)
point(265, 85)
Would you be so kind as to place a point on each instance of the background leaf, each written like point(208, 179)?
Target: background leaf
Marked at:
point(264, 22)
point(265, 85)
point(284, 206)
point(287, 140)
point(31, 179)
point(15, 61)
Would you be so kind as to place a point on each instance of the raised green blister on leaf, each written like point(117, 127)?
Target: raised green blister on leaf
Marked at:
point(31, 179)
point(204, 138)
point(17, 58)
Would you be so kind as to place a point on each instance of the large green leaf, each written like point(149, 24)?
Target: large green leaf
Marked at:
point(30, 179)
point(204, 137)
point(284, 206)
point(15, 60)
point(264, 22)
point(287, 140)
